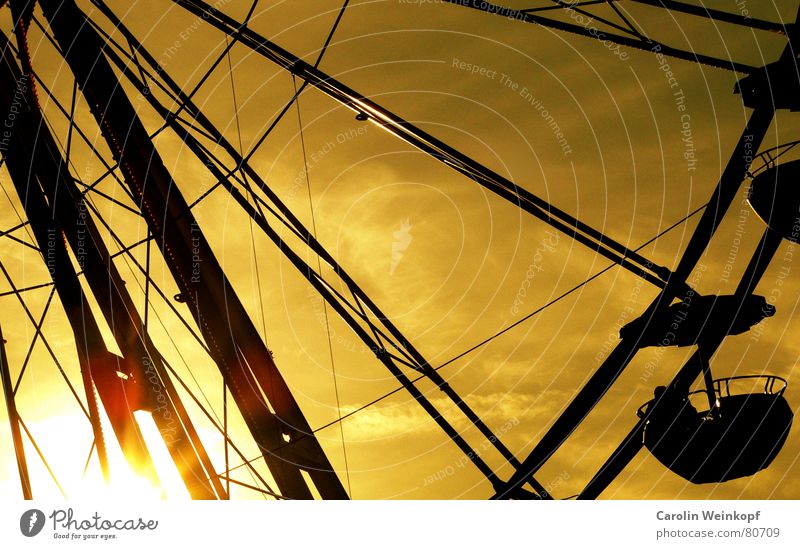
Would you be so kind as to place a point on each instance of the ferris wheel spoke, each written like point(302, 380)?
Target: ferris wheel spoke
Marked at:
point(404, 347)
point(41, 458)
point(14, 421)
point(646, 44)
point(406, 131)
point(264, 409)
point(605, 376)
point(717, 15)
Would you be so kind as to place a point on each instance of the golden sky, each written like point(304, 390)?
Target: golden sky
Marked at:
point(449, 262)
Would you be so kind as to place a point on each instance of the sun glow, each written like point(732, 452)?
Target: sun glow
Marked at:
point(123, 481)
point(172, 485)
point(81, 479)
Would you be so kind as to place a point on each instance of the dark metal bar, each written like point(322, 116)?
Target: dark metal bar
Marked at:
point(718, 15)
point(645, 45)
point(605, 376)
point(69, 219)
point(236, 346)
point(437, 149)
point(13, 421)
point(404, 345)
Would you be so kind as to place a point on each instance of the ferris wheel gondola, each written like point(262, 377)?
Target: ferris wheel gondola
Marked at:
point(737, 437)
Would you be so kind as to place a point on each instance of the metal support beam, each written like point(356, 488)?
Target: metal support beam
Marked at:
point(591, 33)
point(605, 376)
point(717, 15)
point(374, 343)
point(18, 150)
point(68, 220)
point(13, 421)
point(140, 360)
point(594, 239)
point(244, 361)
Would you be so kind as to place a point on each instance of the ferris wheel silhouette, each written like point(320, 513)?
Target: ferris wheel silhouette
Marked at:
point(114, 244)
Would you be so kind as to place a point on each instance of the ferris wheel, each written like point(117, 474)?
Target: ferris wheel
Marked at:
point(151, 223)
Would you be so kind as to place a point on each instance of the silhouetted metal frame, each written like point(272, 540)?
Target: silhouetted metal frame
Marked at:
point(711, 339)
point(605, 376)
point(13, 421)
point(350, 312)
point(594, 239)
point(609, 371)
point(239, 351)
point(362, 107)
point(639, 43)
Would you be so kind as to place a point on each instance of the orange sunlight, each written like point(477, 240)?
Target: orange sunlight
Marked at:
point(64, 451)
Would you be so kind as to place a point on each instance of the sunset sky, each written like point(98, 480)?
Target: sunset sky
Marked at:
point(449, 262)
